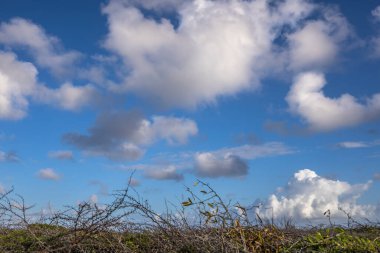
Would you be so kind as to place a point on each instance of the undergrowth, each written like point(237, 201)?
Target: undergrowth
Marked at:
point(202, 223)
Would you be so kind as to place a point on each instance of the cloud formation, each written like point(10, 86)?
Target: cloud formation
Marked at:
point(163, 173)
point(328, 33)
point(232, 162)
point(308, 195)
point(125, 135)
point(219, 48)
point(321, 113)
point(48, 174)
point(19, 85)
point(208, 165)
point(46, 49)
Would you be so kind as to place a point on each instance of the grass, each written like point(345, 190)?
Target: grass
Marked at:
point(202, 223)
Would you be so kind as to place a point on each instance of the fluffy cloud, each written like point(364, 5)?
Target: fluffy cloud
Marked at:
point(208, 165)
point(219, 47)
point(67, 96)
point(19, 85)
point(328, 33)
point(231, 162)
point(44, 48)
point(308, 196)
point(48, 174)
point(163, 173)
point(62, 155)
point(124, 135)
point(306, 99)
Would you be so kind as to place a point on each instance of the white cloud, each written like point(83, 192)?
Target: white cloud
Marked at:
point(62, 155)
point(358, 144)
point(209, 165)
point(308, 196)
point(174, 130)
point(163, 173)
point(19, 85)
point(48, 174)
point(306, 99)
point(44, 48)
point(231, 162)
point(67, 96)
point(125, 135)
point(328, 33)
point(353, 144)
point(219, 48)
point(2, 189)
point(225, 162)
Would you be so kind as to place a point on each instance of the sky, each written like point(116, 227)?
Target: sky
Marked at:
point(270, 102)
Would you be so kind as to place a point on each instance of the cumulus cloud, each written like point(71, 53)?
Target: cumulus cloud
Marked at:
point(46, 49)
point(219, 47)
point(308, 196)
point(62, 155)
point(67, 96)
point(125, 135)
point(48, 174)
point(208, 165)
point(321, 113)
point(231, 162)
point(19, 85)
point(163, 173)
point(328, 33)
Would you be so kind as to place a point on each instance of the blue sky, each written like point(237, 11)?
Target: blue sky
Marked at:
point(270, 102)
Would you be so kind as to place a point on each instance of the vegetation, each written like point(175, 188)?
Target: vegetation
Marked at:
point(202, 223)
